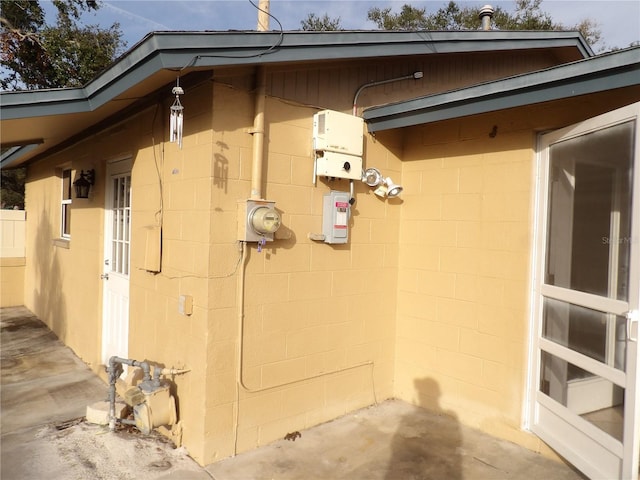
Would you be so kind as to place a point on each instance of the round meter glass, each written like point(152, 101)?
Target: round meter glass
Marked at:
point(265, 220)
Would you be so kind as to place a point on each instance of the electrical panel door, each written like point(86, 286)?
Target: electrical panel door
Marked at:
point(335, 217)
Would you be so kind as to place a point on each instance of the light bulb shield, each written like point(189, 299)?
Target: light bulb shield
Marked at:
point(393, 190)
point(372, 177)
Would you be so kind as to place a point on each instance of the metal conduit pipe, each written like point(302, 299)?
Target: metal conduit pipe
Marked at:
point(263, 16)
point(258, 134)
point(415, 75)
point(241, 334)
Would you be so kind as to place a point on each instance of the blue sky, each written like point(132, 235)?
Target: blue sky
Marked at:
point(619, 20)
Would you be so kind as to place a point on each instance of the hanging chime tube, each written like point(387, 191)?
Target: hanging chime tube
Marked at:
point(176, 116)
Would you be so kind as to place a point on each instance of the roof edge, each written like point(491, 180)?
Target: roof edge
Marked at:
point(563, 81)
point(186, 50)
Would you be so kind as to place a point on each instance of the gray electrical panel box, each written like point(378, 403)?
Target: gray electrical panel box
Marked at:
point(335, 217)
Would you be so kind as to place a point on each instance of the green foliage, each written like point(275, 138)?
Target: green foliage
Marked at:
point(409, 18)
point(320, 24)
point(12, 188)
point(36, 55)
point(528, 15)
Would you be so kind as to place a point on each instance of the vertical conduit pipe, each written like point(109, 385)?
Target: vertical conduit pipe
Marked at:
point(258, 134)
point(258, 119)
point(263, 16)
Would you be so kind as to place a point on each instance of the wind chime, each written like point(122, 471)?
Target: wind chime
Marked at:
point(176, 118)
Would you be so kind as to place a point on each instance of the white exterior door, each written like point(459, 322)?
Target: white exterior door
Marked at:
point(117, 235)
point(585, 402)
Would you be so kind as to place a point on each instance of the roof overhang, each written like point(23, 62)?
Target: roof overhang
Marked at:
point(594, 75)
point(56, 115)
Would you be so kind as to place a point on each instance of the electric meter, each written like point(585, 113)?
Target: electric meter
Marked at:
point(258, 220)
point(264, 219)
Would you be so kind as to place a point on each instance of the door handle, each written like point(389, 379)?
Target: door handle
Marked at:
point(104, 276)
point(633, 318)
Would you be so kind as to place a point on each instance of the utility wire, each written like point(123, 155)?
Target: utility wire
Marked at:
point(269, 50)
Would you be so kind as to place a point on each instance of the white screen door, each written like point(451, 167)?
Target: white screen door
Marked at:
point(584, 390)
point(117, 235)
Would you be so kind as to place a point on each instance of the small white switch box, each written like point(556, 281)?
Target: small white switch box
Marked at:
point(185, 305)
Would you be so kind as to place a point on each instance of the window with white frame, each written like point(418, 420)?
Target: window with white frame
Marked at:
point(65, 201)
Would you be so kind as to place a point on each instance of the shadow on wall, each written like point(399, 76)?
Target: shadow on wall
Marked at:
point(427, 445)
point(221, 167)
point(48, 300)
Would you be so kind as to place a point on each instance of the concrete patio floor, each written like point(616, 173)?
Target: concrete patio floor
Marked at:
point(392, 441)
point(46, 388)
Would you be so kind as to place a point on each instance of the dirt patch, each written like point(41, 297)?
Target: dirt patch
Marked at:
point(92, 451)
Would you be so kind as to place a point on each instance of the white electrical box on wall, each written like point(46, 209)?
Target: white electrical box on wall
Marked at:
point(338, 165)
point(335, 217)
point(338, 132)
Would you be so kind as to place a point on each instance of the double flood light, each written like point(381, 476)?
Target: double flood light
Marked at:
point(384, 185)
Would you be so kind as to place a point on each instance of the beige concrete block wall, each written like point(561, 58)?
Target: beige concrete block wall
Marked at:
point(463, 294)
point(319, 327)
point(318, 319)
point(64, 285)
point(171, 188)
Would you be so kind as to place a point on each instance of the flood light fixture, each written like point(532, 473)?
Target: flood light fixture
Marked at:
point(393, 190)
point(372, 177)
point(385, 187)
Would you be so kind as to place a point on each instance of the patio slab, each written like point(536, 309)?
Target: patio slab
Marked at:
point(392, 441)
point(46, 388)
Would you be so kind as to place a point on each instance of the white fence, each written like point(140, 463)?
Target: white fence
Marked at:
point(12, 233)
